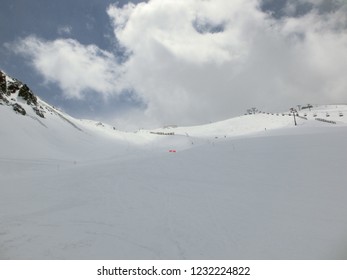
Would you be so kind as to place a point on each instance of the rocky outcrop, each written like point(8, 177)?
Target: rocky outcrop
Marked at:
point(14, 92)
point(27, 95)
point(2, 83)
point(39, 112)
point(19, 109)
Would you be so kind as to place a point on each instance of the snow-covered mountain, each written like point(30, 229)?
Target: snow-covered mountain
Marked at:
point(35, 118)
point(251, 187)
point(36, 128)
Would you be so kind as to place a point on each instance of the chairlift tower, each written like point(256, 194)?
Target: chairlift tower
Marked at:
point(294, 112)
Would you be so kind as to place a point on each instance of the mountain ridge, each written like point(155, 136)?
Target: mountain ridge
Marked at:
point(18, 96)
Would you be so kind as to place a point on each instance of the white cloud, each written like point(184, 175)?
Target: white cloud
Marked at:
point(190, 76)
point(76, 68)
point(64, 30)
point(192, 61)
point(169, 25)
point(181, 73)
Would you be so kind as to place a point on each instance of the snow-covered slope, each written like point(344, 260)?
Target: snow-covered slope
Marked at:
point(252, 187)
point(255, 123)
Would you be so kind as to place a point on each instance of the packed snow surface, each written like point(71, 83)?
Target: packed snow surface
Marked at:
point(252, 187)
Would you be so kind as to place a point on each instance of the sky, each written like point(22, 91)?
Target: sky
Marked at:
point(137, 64)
